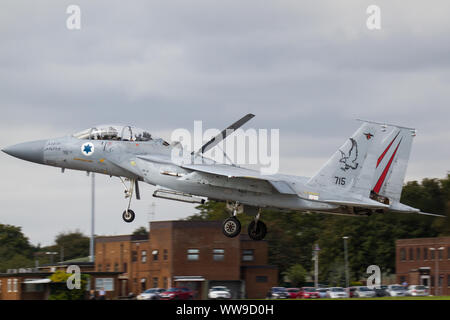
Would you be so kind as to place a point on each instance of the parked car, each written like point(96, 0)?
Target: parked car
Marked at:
point(308, 293)
point(322, 292)
point(364, 292)
point(177, 294)
point(219, 292)
point(278, 293)
point(381, 291)
point(417, 290)
point(151, 294)
point(293, 293)
point(337, 292)
point(396, 290)
point(351, 291)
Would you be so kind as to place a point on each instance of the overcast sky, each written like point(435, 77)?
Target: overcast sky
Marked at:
point(306, 68)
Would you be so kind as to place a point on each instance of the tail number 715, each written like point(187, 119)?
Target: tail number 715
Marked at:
point(340, 181)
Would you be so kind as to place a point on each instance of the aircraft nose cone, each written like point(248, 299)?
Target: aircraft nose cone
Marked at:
point(30, 151)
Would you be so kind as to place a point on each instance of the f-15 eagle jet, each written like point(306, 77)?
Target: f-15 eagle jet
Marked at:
point(365, 175)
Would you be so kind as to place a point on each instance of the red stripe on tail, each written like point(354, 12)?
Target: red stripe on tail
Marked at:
point(385, 151)
point(386, 170)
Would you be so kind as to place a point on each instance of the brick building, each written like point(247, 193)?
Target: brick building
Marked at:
point(194, 254)
point(35, 283)
point(418, 259)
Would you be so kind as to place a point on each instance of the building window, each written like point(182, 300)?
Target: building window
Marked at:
point(155, 254)
point(155, 282)
point(432, 254)
point(425, 253)
point(440, 255)
point(411, 254)
point(107, 267)
point(418, 254)
point(218, 254)
point(116, 267)
point(261, 278)
point(106, 283)
point(402, 254)
point(448, 253)
point(99, 267)
point(248, 255)
point(165, 283)
point(402, 279)
point(193, 254)
point(134, 256)
point(448, 280)
point(15, 285)
point(143, 284)
point(143, 256)
point(9, 285)
point(166, 254)
point(125, 267)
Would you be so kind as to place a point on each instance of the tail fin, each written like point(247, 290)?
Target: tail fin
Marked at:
point(351, 168)
point(392, 160)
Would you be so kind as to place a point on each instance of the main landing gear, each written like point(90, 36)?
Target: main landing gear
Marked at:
point(231, 227)
point(128, 215)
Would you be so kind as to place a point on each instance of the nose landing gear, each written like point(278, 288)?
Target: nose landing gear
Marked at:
point(128, 215)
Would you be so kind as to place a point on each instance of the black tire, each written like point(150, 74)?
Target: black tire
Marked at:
point(128, 215)
point(257, 231)
point(231, 227)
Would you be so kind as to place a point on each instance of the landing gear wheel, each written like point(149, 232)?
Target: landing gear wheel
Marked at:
point(128, 215)
point(257, 230)
point(231, 227)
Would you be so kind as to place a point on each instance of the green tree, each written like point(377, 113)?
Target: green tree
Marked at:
point(141, 231)
point(15, 249)
point(296, 275)
point(60, 290)
point(74, 243)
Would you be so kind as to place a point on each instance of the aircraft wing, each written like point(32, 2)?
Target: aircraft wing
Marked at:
point(237, 172)
point(227, 171)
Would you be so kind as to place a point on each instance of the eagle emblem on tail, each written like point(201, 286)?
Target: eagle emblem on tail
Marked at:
point(349, 159)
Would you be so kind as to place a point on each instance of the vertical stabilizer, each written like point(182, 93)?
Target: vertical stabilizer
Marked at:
point(392, 160)
point(352, 166)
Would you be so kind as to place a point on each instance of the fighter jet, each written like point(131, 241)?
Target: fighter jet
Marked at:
point(365, 175)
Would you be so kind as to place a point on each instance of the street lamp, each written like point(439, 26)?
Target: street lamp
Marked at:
point(316, 250)
point(436, 270)
point(346, 262)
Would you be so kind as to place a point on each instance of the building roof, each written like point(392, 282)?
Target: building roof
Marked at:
point(120, 238)
point(184, 224)
point(424, 241)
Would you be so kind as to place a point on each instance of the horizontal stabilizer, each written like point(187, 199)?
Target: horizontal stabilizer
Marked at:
point(403, 208)
point(365, 203)
point(431, 214)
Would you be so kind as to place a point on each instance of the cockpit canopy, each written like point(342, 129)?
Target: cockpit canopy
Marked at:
point(118, 133)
